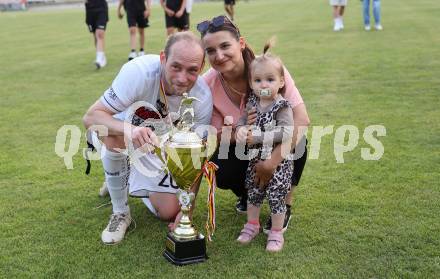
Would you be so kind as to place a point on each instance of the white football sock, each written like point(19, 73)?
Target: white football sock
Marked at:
point(117, 170)
point(99, 55)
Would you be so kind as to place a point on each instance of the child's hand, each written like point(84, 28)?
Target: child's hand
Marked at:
point(252, 116)
point(242, 134)
point(249, 137)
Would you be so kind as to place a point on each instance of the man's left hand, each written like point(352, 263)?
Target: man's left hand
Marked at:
point(173, 225)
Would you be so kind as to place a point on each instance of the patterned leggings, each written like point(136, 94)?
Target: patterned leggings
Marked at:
point(276, 190)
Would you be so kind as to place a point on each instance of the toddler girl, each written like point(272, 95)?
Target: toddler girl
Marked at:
point(274, 125)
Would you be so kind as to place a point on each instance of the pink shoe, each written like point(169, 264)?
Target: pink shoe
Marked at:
point(248, 233)
point(275, 241)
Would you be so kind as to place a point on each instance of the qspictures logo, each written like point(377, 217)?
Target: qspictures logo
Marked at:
point(345, 138)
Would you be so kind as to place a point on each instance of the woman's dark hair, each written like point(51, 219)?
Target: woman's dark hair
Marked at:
point(229, 26)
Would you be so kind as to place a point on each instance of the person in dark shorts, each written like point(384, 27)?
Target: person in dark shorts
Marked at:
point(96, 20)
point(229, 8)
point(175, 15)
point(138, 12)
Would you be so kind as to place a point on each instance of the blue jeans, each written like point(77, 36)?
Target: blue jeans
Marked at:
point(376, 11)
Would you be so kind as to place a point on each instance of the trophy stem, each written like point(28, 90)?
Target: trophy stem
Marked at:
point(183, 245)
point(184, 229)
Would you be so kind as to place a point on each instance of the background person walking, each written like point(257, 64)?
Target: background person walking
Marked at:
point(338, 13)
point(376, 13)
point(138, 12)
point(96, 20)
point(175, 15)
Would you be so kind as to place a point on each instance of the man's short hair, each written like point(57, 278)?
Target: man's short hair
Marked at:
point(187, 36)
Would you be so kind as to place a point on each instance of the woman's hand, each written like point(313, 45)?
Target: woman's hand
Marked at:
point(263, 173)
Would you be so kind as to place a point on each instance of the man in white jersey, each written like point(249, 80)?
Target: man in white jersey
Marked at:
point(159, 80)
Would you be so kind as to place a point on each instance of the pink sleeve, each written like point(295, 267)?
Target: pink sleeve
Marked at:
point(217, 120)
point(209, 76)
point(292, 94)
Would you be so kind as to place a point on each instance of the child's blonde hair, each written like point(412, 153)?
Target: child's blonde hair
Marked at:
point(268, 57)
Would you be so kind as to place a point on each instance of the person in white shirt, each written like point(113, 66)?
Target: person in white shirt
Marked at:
point(159, 80)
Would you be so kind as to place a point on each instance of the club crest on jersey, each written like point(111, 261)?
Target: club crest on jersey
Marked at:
point(147, 117)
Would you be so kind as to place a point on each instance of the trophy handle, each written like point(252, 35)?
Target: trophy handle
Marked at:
point(158, 150)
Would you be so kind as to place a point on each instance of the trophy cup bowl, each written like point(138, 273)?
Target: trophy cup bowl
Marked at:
point(184, 155)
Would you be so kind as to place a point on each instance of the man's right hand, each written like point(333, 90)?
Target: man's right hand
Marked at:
point(120, 15)
point(144, 137)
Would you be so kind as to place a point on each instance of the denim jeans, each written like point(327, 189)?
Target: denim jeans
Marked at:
point(376, 11)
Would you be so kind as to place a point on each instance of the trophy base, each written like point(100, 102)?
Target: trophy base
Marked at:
point(183, 252)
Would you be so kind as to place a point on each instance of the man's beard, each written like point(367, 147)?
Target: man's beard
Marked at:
point(171, 89)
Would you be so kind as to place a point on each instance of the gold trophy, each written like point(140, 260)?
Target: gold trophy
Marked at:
point(184, 154)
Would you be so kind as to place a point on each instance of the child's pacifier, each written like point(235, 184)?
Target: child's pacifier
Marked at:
point(264, 92)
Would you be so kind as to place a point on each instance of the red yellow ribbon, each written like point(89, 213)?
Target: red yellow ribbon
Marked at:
point(209, 169)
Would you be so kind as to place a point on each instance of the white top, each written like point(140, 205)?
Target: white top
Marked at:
point(139, 80)
point(188, 7)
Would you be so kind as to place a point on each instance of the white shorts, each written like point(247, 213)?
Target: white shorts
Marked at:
point(338, 2)
point(142, 180)
point(146, 173)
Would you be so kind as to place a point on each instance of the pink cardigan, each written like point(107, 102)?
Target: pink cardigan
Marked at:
point(226, 112)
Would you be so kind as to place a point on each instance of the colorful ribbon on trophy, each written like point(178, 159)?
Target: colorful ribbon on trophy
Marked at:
point(209, 169)
point(163, 97)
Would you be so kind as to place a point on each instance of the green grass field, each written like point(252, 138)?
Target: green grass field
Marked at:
point(361, 219)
